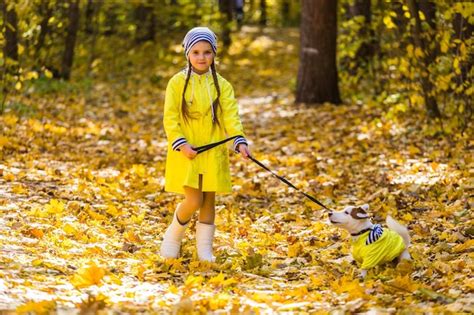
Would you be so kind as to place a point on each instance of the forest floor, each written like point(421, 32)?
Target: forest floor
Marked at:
point(83, 208)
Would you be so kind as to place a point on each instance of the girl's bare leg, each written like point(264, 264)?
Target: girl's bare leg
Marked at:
point(208, 212)
point(193, 200)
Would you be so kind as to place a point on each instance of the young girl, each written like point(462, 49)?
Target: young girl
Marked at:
point(200, 108)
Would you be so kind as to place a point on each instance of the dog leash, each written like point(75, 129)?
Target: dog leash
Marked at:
point(284, 180)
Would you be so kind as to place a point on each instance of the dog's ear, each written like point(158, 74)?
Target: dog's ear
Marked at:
point(359, 213)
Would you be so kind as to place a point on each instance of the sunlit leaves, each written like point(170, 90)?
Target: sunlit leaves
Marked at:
point(40, 308)
point(88, 275)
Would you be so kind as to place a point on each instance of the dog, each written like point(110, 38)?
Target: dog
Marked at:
point(372, 245)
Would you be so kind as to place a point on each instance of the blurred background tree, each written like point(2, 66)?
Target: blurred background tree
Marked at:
point(393, 54)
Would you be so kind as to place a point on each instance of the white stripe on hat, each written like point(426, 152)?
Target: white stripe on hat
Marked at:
point(198, 34)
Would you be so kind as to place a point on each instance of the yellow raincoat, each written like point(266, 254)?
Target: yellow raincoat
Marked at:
point(199, 130)
point(388, 247)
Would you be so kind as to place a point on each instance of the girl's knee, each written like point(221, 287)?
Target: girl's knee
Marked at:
point(194, 203)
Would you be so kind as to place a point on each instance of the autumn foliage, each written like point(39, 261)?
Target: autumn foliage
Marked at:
point(83, 208)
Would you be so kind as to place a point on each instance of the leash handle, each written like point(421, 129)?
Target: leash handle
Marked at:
point(212, 145)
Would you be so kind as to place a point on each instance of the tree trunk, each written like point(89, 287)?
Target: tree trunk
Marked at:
point(145, 22)
point(226, 7)
point(92, 9)
point(430, 102)
point(73, 26)
point(10, 19)
point(92, 29)
point(46, 11)
point(285, 12)
point(317, 75)
point(263, 12)
point(463, 31)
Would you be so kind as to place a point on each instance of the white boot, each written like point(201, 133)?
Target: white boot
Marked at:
point(172, 238)
point(204, 239)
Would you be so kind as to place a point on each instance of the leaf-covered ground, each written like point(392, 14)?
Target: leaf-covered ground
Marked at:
point(83, 208)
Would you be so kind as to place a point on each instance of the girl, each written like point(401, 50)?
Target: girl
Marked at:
point(200, 108)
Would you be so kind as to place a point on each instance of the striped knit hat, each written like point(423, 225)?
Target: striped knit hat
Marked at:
point(198, 34)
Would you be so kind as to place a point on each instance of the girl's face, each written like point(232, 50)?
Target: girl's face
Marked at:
point(201, 57)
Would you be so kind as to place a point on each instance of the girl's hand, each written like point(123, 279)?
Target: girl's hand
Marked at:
point(244, 151)
point(188, 151)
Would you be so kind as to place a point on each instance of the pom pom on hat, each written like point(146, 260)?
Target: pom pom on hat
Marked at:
point(198, 34)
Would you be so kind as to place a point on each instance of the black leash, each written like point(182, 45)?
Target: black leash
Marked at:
point(212, 145)
point(284, 180)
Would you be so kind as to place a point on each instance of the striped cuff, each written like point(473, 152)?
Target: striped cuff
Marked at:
point(178, 143)
point(238, 141)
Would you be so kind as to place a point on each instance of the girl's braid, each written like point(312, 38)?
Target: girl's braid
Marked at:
point(216, 102)
point(184, 107)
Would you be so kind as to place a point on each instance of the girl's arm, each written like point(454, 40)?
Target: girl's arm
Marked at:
point(171, 117)
point(232, 124)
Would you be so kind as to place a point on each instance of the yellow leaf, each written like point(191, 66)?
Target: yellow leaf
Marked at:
point(8, 177)
point(10, 120)
point(69, 229)
point(139, 169)
point(456, 67)
point(48, 74)
point(219, 279)
point(410, 49)
point(131, 237)
point(18, 85)
point(43, 307)
point(18, 189)
point(36, 233)
point(139, 271)
point(31, 75)
point(418, 52)
point(219, 301)
point(192, 281)
point(138, 219)
point(348, 285)
point(295, 249)
point(469, 244)
point(55, 206)
point(112, 210)
point(87, 276)
point(388, 22)
point(408, 217)
point(317, 281)
point(404, 283)
point(3, 141)
point(413, 150)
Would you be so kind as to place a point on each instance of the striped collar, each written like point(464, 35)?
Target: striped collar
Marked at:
point(376, 232)
point(361, 232)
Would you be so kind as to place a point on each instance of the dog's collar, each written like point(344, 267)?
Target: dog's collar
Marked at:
point(361, 232)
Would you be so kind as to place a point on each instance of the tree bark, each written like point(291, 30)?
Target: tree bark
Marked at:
point(145, 22)
point(226, 7)
point(10, 19)
point(317, 75)
point(46, 11)
point(73, 26)
point(285, 12)
point(430, 102)
point(263, 12)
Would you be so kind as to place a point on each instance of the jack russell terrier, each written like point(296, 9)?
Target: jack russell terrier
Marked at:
point(371, 244)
